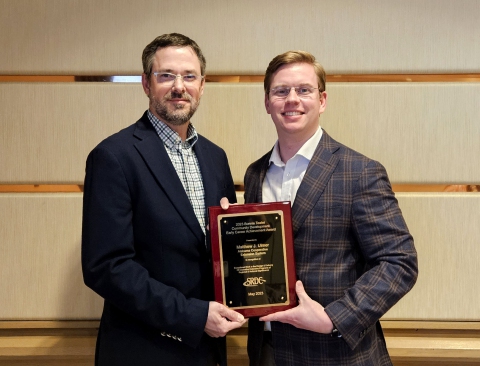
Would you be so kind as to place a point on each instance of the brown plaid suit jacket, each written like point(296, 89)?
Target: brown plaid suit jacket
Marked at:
point(353, 252)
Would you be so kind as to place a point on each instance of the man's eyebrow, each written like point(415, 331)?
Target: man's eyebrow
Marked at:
point(279, 86)
point(288, 86)
point(185, 72)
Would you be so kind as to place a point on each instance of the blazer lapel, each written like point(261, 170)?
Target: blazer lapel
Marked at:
point(155, 156)
point(318, 173)
point(253, 192)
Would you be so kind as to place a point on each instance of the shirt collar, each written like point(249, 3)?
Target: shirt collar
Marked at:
point(307, 150)
point(169, 137)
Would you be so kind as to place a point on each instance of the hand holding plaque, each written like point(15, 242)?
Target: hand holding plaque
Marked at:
point(253, 258)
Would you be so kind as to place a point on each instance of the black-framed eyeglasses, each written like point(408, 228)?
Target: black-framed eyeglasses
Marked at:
point(168, 78)
point(282, 92)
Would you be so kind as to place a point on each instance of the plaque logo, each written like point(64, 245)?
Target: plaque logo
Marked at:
point(254, 281)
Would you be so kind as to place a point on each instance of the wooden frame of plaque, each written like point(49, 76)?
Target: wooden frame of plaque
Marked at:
point(253, 257)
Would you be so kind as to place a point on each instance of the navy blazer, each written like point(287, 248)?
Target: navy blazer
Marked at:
point(144, 252)
point(353, 253)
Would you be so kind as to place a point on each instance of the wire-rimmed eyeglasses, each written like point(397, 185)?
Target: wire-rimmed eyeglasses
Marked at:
point(168, 78)
point(282, 92)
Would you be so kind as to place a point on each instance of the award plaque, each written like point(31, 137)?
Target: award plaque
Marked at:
point(253, 258)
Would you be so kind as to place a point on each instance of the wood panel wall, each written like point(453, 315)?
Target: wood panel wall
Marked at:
point(240, 37)
point(403, 87)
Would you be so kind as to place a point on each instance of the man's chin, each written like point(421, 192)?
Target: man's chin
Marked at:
point(176, 119)
point(176, 122)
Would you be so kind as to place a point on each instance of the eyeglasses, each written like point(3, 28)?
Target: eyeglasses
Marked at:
point(282, 92)
point(168, 78)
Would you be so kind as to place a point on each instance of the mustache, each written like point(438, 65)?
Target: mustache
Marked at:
point(176, 95)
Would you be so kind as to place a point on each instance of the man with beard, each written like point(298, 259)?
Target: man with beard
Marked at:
point(144, 248)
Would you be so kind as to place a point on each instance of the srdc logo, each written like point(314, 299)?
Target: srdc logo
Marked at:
point(254, 281)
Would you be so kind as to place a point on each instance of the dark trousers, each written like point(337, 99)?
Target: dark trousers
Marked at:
point(267, 357)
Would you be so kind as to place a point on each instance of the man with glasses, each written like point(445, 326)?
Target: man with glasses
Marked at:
point(144, 248)
point(354, 255)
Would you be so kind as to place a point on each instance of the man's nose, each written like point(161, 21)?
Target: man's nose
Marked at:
point(292, 96)
point(178, 84)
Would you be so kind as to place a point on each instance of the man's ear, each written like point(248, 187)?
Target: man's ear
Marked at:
point(323, 101)
point(267, 103)
point(145, 84)
point(202, 85)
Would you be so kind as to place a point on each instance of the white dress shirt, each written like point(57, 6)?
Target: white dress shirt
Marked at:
point(283, 179)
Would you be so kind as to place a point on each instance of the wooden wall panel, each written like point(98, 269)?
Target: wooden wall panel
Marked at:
point(421, 132)
point(234, 117)
point(49, 141)
point(47, 130)
point(40, 270)
point(241, 37)
point(446, 232)
point(424, 133)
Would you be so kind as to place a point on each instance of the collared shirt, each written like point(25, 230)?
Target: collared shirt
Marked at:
point(185, 163)
point(283, 179)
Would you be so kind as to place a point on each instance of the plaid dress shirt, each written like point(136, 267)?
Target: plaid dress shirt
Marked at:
point(185, 163)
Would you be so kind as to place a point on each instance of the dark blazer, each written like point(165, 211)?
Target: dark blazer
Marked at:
point(144, 251)
point(353, 253)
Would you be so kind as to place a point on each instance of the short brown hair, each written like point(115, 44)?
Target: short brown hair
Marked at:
point(293, 57)
point(170, 40)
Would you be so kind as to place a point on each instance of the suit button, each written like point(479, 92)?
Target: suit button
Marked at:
point(163, 334)
point(179, 339)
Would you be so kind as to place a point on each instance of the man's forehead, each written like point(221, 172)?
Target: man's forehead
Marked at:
point(295, 67)
point(298, 71)
point(173, 54)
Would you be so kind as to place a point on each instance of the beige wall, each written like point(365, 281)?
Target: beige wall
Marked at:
point(348, 36)
point(422, 132)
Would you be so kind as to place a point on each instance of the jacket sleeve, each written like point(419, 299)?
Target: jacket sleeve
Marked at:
point(388, 248)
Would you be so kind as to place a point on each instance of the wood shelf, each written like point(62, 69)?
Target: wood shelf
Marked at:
point(410, 343)
point(333, 78)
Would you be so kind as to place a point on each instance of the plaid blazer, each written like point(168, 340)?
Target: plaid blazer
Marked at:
point(353, 252)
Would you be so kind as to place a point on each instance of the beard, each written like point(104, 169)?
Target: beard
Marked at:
point(180, 114)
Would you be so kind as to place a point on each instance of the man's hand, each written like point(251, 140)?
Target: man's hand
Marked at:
point(225, 203)
point(222, 320)
point(309, 314)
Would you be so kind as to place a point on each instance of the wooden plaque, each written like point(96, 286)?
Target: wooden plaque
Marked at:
point(253, 257)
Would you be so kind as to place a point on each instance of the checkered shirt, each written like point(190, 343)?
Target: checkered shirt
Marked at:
point(185, 163)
